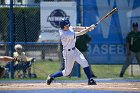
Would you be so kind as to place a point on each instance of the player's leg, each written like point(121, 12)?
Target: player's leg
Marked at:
point(86, 56)
point(92, 73)
point(127, 63)
point(83, 62)
point(62, 65)
point(69, 62)
point(138, 57)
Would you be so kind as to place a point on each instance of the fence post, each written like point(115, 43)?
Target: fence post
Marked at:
point(11, 40)
point(79, 20)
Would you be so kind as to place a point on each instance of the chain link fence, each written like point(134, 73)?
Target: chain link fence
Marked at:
point(44, 56)
point(26, 24)
point(26, 31)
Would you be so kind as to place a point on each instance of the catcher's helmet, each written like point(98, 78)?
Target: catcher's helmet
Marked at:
point(64, 22)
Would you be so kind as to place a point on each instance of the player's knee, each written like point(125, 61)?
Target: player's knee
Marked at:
point(66, 73)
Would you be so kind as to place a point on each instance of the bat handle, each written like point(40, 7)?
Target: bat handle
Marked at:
point(96, 24)
point(92, 27)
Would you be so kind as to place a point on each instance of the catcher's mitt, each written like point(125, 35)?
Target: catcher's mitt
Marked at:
point(2, 71)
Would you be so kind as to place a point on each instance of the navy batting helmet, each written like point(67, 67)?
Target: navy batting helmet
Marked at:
point(64, 22)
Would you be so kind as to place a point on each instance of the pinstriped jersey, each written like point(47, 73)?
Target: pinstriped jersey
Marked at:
point(68, 38)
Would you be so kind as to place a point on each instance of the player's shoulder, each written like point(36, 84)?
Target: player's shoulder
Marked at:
point(71, 29)
point(130, 33)
point(16, 54)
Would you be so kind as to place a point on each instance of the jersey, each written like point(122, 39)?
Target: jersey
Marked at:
point(133, 38)
point(21, 57)
point(68, 39)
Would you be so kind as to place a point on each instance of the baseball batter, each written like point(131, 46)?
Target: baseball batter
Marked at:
point(71, 53)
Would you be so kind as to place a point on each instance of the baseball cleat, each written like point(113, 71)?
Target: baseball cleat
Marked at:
point(49, 80)
point(92, 82)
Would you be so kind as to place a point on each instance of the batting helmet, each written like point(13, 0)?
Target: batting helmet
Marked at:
point(64, 22)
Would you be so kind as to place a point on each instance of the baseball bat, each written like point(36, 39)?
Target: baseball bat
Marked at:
point(103, 18)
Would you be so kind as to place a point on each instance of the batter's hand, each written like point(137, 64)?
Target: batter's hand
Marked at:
point(92, 27)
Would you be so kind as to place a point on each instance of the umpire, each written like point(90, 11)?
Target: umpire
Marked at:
point(133, 48)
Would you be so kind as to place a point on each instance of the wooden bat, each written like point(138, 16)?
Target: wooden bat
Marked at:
point(103, 18)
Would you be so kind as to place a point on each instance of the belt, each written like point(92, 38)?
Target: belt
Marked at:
point(70, 49)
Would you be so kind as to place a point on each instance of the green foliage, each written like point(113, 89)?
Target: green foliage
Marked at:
point(4, 23)
point(26, 24)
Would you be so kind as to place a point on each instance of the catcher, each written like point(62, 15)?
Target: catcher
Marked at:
point(4, 59)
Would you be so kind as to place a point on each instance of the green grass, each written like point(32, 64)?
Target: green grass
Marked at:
point(43, 68)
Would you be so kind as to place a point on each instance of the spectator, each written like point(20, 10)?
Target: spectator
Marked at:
point(22, 61)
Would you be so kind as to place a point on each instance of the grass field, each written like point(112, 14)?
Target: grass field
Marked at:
point(43, 68)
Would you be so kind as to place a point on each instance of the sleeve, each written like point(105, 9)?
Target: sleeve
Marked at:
point(15, 54)
point(82, 32)
point(78, 28)
point(17, 58)
point(24, 57)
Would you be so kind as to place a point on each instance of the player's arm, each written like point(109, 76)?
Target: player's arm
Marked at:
point(82, 30)
point(78, 28)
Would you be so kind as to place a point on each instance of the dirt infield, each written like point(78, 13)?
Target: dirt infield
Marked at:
point(117, 86)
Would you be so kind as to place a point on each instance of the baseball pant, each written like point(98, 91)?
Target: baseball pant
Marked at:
point(70, 57)
point(129, 60)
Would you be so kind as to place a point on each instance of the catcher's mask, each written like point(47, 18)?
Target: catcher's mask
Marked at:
point(64, 22)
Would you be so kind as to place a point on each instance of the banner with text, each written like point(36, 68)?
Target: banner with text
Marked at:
point(51, 13)
point(109, 37)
